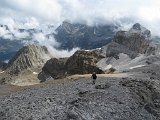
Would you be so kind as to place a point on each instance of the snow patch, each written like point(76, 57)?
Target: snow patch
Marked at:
point(35, 73)
point(136, 66)
point(1, 72)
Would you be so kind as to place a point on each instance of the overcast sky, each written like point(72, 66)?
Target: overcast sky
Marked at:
point(31, 13)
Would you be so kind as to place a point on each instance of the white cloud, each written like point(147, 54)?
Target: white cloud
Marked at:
point(3, 31)
point(61, 53)
point(20, 35)
point(55, 10)
point(51, 43)
point(32, 13)
point(43, 40)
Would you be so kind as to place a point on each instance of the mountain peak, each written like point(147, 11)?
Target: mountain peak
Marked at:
point(137, 26)
point(30, 56)
point(4, 26)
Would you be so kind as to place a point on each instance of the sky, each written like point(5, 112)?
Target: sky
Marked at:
point(31, 13)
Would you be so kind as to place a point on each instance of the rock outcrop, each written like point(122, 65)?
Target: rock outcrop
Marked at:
point(113, 49)
point(136, 39)
point(81, 62)
point(28, 57)
point(54, 68)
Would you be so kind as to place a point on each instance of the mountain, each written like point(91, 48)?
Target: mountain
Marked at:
point(136, 39)
point(130, 49)
point(83, 36)
point(126, 45)
point(81, 62)
point(12, 39)
point(68, 35)
point(31, 56)
point(133, 93)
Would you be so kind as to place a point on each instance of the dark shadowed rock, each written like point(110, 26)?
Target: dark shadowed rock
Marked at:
point(54, 68)
point(83, 36)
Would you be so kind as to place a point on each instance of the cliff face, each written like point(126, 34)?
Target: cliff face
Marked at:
point(83, 62)
point(136, 39)
point(28, 57)
point(113, 49)
point(53, 68)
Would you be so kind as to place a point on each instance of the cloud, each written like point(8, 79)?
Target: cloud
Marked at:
point(34, 13)
point(86, 11)
point(61, 53)
point(51, 44)
point(43, 40)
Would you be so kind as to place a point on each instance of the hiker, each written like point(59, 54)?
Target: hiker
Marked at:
point(94, 77)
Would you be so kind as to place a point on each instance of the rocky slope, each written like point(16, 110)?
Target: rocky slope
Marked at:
point(30, 56)
point(81, 62)
point(129, 49)
point(131, 98)
point(113, 49)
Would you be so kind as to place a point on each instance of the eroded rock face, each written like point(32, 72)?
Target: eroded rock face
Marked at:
point(136, 39)
point(81, 62)
point(113, 49)
point(54, 68)
point(28, 57)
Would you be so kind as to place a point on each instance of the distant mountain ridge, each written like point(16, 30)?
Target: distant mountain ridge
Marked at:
point(83, 36)
point(68, 35)
point(75, 35)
